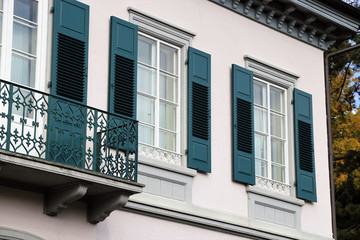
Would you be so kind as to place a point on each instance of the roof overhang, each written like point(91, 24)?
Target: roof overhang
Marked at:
point(317, 22)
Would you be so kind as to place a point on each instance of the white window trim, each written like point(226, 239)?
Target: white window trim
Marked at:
point(287, 80)
point(181, 38)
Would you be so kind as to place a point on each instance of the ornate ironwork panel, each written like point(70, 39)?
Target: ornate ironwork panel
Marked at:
point(59, 130)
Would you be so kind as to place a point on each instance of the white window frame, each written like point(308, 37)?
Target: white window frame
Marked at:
point(156, 98)
point(268, 134)
point(180, 38)
point(41, 42)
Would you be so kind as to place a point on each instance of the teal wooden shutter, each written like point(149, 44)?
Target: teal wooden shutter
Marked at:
point(70, 50)
point(304, 146)
point(67, 119)
point(242, 125)
point(123, 68)
point(199, 122)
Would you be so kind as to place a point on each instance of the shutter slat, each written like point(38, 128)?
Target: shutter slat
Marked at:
point(199, 137)
point(242, 125)
point(304, 145)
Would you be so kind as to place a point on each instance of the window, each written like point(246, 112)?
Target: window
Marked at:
point(158, 95)
point(23, 42)
point(270, 126)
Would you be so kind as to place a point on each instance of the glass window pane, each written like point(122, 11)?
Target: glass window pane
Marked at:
point(261, 168)
point(277, 125)
point(276, 99)
point(167, 140)
point(23, 70)
point(260, 119)
point(277, 151)
point(1, 20)
point(26, 9)
point(278, 173)
point(147, 51)
point(260, 96)
point(145, 109)
point(146, 134)
point(168, 59)
point(260, 146)
point(1, 4)
point(167, 116)
point(146, 80)
point(24, 38)
point(168, 87)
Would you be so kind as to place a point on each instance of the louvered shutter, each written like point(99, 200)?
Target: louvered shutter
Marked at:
point(304, 146)
point(70, 50)
point(242, 125)
point(199, 137)
point(123, 68)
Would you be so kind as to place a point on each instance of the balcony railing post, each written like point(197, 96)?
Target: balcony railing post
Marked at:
point(9, 118)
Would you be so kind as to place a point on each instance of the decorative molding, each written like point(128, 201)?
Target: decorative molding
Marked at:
point(100, 207)
point(310, 18)
point(259, 11)
point(222, 1)
point(235, 3)
point(159, 154)
point(248, 6)
point(291, 26)
point(270, 16)
point(302, 30)
point(322, 39)
point(312, 35)
point(289, 9)
point(13, 234)
point(281, 21)
point(61, 197)
point(273, 186)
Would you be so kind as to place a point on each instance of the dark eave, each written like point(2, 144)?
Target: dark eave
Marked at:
point(317, 22)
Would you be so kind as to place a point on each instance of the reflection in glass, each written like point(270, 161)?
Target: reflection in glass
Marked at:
point(167, 116)
point(278, 173)
point(24, 37)
point(146, 134)
point(23, 70)
point(145, 109)
point(261, 168)
point(276, 99)
point(146, 80)
point(26, 9)
point(277, 125)
point(168, 87)
point(147, 51)
point(167, 140)
point(277, 151)
point(260, 96)
point(168, 59)
point(260, 146)
point(260, 120)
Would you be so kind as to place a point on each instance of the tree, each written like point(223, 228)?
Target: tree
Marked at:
point(344, 80)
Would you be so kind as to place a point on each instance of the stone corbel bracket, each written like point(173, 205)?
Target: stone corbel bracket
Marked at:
point(100, 207)
point(59, 198)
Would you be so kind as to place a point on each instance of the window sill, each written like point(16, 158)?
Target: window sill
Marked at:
point(273, 195)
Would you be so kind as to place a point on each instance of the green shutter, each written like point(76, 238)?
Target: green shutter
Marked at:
point(199, 122)
point(304, 146)
point(67, 119)
point(123, 68)
point(242, 125)
point(70, 50)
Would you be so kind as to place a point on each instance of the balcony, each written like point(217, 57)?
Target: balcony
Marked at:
point(67, 151)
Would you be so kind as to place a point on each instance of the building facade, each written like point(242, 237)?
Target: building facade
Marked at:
point(181, 119)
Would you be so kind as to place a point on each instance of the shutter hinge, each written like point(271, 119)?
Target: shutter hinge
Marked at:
point(49, 84)
point(186, 152)
point(52, 10)
point(292, 101)
point(186, 61)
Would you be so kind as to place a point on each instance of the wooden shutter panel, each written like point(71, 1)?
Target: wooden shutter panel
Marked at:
point(242, 125)
point(70, 50)
point(199, 123)
point(304, 146)
point(123, 68)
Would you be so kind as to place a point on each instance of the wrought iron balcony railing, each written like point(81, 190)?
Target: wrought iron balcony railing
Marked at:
point(40, 125)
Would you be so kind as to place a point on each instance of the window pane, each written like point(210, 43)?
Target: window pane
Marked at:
point(277, 151)
point(260, 120)
point(278, 173)
point(24, 37)
point(146, 80)
point(277, 125)
point(167, 140)
point(260, 96)
point(276, 99)
point(168, 87)
point(167, 116)
point(147, 51)
point(261, 168)
point(168, 59)
point(23, 70)
point(26, 9)
point(260, 146)
point(145, 109)
point(1, 4)
point(1, 20)
point(146, 134)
